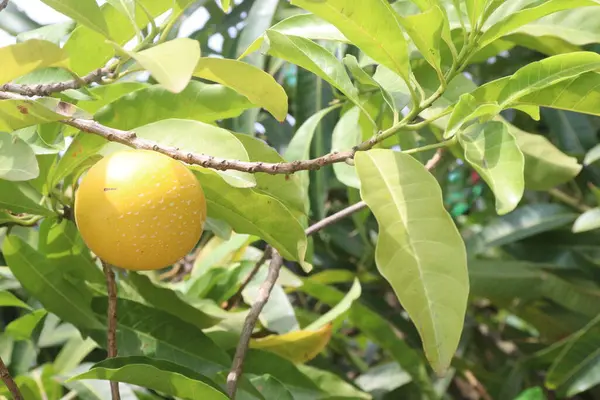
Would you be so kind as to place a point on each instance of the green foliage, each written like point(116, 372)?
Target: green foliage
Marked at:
point(473, 133)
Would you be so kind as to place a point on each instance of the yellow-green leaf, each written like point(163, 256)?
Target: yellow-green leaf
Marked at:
point(258, 86)
point(298, 346)
point(371, 25)
point(425, 29)
point(85, 12)
point(419, 249)
point(492, 150)
point(22, 58)
point(171, 63)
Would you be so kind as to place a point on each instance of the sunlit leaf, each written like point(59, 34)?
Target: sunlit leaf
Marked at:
point(21, 198)
point(22, 328)
point(258, 86)
point(297, 346)
point(424, 262)
point(86, 12)
point(340, 309)
point(347, 134)
point(22, 58)
point(587, 221)
point(7, 299)
point(371, 25)
point(171, 63)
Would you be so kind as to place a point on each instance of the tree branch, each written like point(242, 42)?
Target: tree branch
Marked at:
point(112, 322)
point(242, 348)
point(8, 380)
point(49, 88)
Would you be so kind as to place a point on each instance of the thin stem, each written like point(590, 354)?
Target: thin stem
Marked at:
point(9, 381)
point(235, 299)
point(242, 348)
point(3, 4)
point(432, 146)
point(335, 217)
point(112, 322)
point(568, 200)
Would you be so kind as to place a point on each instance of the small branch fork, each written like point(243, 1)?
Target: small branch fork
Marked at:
point(112, 322)
point(267, 286)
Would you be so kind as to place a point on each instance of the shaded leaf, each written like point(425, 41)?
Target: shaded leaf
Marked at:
point(332, 384)
point(425, 264)
point(7, 299)
point(347, 134)
point(258, 86)
point(492, 150)
point(21, 198)
point(22, 328)
point(271, 388)
point(340, 309)
point(49, 284)
point(17, 159)
point(163, 376)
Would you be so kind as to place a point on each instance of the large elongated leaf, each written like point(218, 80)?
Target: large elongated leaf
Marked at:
point(22, 58)
point(308, 26)
point(17, 114)
point(171, 63)
point(493, 152)
point(48, 283)
point(198, 101)
point(258, 86)
point(198, 137)
point(425, 29)
point(516, 20)
point(148, 331)
point(312, 57)
point(371, 25)
point(419, 250)
point(248, 211)
point(163, 376)
point(85, 12)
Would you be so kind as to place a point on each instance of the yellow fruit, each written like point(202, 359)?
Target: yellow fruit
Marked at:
point(140, 210)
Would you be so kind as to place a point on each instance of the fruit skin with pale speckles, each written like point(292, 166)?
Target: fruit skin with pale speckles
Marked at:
point(140, 210)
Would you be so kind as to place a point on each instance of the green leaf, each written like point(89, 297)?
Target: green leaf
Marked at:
point(54, 33)
point(197, 137)
point(592, 156)
point(285, 188)
point(61, 242)
point(7, 299)
point(308, 26)
point(17, 114)
point(198, 101)
point(383, 378)
point(545, 165)
point(314, 58)
point(171, 63)
point(587, 221)
point(48, 283)
point(17, 159)
point(339, 310)
point(580, 353)
point(378, 329)
point(248, 211)
point(22, 328)
point(81, 153)
point(332, 384)
point(524, 222)
point(72, 354)
point(516, 20)
point(22, 58)
point(371, 26)
point(493, 152)
point(271, 388)
point(225, 5)
point(148, 331)
point(21, 198)
point(168, 300)
point(106, 94)
point(86, 12)
point(163, 376)
point(425, 29)
point(347, 134)
point(475, 9)
point(299, 146)
point(425, 263)
point(258, 86)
